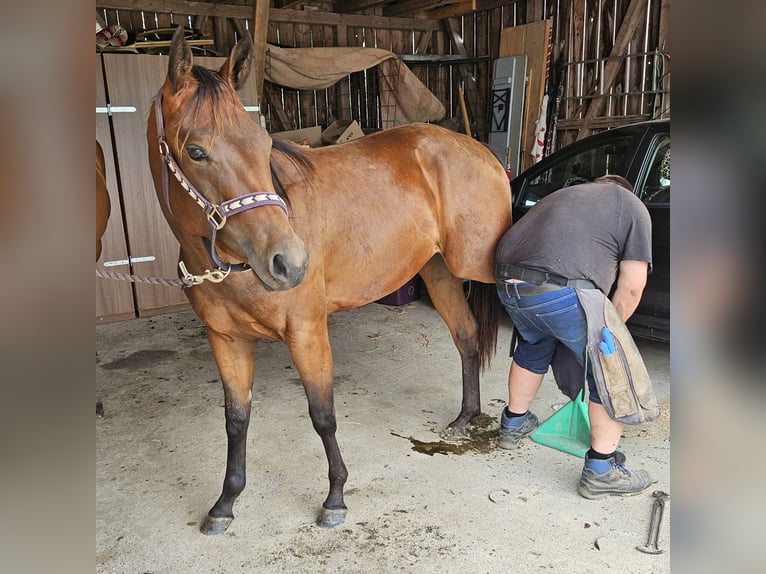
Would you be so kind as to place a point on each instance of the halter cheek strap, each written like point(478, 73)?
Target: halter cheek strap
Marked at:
point(216, 214)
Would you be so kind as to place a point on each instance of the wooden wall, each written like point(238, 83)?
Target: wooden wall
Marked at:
point(621, 78)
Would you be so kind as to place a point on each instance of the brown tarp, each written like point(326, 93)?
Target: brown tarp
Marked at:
point(404, 98)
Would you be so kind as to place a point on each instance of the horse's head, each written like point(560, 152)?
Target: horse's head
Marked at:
point(224, 157)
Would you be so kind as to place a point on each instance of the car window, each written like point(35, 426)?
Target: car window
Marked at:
point(656, 187)
point(601, 159)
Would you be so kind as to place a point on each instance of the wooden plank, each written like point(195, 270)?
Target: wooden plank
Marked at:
point(450, 10)
point(357, 5)
point(289, 96)
point(275, 14)
point(220, 34)
point(308, 115)
point(533, 41)
point(409, 7)
point(424, 42)
point(628, 27)
point(260, 36)
point(397, 42)
point(464, 7)
point(114, 298)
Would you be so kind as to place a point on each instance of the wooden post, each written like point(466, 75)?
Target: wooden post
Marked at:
point(260, 32)
point(466, 121)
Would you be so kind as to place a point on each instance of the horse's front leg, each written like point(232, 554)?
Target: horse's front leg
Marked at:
point(312, 355)
point(235, 365)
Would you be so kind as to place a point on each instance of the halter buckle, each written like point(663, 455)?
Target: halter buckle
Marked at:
point(164, 148)
point(216, 217)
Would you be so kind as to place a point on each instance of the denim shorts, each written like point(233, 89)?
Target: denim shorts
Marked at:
point(541, 322)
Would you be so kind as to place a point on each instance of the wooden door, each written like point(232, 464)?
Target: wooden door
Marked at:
point(114, 298)
point(132, 80)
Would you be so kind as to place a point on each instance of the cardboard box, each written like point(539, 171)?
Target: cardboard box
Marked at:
point(407, 293)
point(341, 131)
point(312, 135)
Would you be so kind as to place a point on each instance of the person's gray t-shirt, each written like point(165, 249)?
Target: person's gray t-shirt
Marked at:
point(581, 232)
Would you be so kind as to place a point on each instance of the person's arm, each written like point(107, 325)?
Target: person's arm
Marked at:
point(631, 281)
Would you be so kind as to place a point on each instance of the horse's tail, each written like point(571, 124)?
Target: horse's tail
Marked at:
point(485, 305)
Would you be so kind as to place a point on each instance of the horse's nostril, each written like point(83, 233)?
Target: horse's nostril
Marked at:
point(278, 267)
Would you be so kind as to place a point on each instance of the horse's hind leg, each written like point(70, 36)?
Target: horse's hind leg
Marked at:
point(446, 293)
point(312, 355)
point(235, 365)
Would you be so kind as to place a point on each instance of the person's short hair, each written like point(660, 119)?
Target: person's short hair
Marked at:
point(617, 179)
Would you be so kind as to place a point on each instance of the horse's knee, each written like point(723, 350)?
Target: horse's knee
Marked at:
point(237, 419)
point(323, 421)
point(236, 427)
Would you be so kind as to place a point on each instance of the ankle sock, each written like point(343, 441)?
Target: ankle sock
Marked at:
point(595, 455)
point(510, 415)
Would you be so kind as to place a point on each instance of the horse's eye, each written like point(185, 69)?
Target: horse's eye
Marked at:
point(195, 153)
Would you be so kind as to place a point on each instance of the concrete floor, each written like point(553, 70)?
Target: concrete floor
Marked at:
point(161, 452)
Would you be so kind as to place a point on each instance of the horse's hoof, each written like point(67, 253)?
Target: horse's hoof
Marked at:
point(454, 434)
point(215, 525)
point(331, 517)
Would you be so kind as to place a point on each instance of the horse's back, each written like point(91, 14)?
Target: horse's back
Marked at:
point(409, 192)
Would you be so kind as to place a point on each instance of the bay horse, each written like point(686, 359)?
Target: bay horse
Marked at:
point(335, 228)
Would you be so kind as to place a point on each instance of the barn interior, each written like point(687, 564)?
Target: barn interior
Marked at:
point(524, 77)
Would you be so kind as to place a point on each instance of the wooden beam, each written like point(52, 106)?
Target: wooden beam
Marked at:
point(292, 5)
point(453, 10)
point(628, 27)
point(465, 7)
point(424, 42)
point(260, 33)
point(441, 9)
point(410, 7)
point(356, 5)
point(314, 17)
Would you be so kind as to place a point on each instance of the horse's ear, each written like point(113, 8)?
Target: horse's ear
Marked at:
point(180, 64)
point(237, 67)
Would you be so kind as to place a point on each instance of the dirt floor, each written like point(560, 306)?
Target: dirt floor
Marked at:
point(415, 504)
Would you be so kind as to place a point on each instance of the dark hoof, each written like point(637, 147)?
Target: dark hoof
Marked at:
point(454, 434)
point(213, 525)
point(331, 517)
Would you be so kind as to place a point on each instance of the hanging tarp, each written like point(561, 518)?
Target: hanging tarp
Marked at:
point(404, 98)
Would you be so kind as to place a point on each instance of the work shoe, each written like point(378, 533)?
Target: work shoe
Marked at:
point(602, 478)
point(512, 430)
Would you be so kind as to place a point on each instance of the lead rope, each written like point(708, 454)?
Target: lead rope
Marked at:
point(188, 280)
point(182, 283)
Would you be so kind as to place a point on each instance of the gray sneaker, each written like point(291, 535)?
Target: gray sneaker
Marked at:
point(602, 478)
point(511, 435)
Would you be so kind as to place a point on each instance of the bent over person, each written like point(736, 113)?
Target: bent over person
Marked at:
point(578, 237)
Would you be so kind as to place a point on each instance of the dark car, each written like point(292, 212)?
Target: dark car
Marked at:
point(641, 154)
